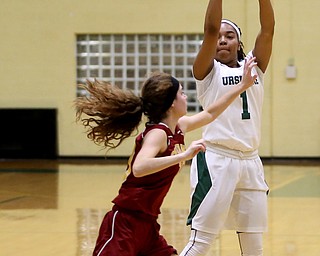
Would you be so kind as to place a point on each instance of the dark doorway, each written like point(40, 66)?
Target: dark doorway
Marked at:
point(28, 133)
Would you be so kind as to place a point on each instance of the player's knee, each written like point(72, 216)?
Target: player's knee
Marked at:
point(251, 244)
point(199, 243)
point(195, 249)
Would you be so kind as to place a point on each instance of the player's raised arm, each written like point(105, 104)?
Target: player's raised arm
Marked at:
point(263, 45)
point(204, 60)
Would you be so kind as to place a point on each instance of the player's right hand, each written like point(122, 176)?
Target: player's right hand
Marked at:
point(194, 148)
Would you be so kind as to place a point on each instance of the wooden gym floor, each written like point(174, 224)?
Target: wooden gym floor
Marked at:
point(55, 208)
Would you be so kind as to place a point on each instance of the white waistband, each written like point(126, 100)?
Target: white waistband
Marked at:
point(231, 152)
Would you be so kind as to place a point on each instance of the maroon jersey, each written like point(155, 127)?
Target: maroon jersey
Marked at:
point(146, 194)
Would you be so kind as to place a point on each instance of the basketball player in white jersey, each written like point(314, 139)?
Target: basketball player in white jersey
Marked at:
point(227, 181)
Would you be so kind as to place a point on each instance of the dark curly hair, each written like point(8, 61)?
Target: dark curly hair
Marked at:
point(113, 114)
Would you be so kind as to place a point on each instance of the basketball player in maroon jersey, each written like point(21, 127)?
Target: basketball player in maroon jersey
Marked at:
point(111, 115)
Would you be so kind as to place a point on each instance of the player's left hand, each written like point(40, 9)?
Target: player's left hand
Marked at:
point(247, 77)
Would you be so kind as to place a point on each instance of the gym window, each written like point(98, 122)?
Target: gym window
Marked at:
point(126, 60)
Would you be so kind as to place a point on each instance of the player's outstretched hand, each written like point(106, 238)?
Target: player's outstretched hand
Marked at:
point(247, 77)
point(194, 148)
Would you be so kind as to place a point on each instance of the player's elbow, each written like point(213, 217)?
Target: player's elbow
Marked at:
point(268, 30)
point(137, 170)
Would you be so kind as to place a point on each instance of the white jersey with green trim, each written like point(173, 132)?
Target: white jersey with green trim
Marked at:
point(239, 126)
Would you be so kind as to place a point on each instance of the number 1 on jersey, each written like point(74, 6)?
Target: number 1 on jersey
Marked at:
point(245, 114)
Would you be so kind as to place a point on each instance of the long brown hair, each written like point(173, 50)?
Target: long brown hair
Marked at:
point(113, 114)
